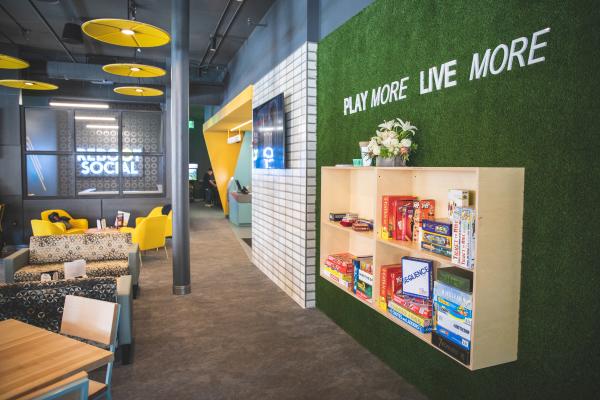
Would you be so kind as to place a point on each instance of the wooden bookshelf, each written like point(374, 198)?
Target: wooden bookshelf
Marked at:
point(496, 195)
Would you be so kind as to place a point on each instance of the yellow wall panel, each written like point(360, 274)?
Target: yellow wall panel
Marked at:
point(223, 158)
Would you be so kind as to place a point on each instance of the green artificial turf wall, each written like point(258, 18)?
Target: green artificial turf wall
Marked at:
point(543, 117)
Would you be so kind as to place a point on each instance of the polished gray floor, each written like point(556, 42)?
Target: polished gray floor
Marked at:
point(237, 336)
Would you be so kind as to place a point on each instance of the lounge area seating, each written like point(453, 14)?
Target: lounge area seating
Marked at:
point(75, 223)
point(41, 303)
point(149, 233)
point(157, 211)
point(47, 228)
point(105, 254)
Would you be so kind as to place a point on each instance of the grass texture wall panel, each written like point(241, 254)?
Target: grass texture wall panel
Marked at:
point(543, 117)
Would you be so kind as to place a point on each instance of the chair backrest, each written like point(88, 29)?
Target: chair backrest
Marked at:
point(75, 387)
point(88, 246)
point(150, 233)
point(45, 228)
point(61, 213)
point(156, 211)
point(90, 319)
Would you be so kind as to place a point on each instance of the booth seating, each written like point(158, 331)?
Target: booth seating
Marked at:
point(47, 228)
point(41, 303)
point(76, 223)
point(149, 233)
point(105, 254)
point(157, 211)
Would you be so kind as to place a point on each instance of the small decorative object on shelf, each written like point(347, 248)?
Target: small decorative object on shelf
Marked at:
point(393, 143)
point(365, 154)
point(363, 225)
point(349, 219)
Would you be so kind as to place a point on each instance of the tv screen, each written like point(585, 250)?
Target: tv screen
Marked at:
point(268, 136)
point(193, 172)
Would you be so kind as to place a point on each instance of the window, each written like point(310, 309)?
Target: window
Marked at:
point(93, 153)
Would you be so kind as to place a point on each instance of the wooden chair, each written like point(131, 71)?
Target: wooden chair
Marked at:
point(97, 321)
point(74, 387)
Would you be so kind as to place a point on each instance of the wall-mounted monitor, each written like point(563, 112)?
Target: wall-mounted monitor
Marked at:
point(268, 135)
point(193, 174)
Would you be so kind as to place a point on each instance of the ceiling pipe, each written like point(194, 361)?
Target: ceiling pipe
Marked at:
point(24, 30)
point(231, 22)
point(39, 14)
point(214, 35)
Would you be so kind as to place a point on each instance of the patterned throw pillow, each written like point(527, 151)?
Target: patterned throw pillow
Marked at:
point(90, 247)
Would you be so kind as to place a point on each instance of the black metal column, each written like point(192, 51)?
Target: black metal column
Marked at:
point(180, 35)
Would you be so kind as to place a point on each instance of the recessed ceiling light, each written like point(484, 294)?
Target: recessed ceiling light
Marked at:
point(78, 105)
point(127, 32)
point(91, 118)
point(139, 90)
point(29, 83)
point(134, 69)
point(92, 126)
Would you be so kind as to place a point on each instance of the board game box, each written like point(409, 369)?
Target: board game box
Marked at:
point(456, 277)
point(390, 282)
point(459, 353)
point(417, 277)
point(423, 325)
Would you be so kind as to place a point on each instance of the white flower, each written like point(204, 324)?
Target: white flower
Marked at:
point(405, 143)
point(373, 147)
point(387, 125)
point(406, 126)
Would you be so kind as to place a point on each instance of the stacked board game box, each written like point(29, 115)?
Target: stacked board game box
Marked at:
point(410, 300)
point(363, 277)
point(436, 236)
point(456, 277)
point(340, 268)
point(390, 282)
point(463, 237)
point(453, 314)
point(389, 214)
point(423, 209)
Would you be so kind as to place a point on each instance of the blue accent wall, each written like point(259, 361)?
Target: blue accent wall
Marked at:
point(333, 13)
point(243, 170)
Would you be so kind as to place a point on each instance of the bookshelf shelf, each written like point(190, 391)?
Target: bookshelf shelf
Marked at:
point(497, 196)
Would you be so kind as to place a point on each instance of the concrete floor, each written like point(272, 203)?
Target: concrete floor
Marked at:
point(237, 336)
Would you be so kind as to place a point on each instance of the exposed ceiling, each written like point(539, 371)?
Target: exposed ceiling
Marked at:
point(21, 26)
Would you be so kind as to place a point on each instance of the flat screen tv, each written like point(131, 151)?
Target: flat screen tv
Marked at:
point(268, 135)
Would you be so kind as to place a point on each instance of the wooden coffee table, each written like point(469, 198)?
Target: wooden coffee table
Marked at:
point(32, 358)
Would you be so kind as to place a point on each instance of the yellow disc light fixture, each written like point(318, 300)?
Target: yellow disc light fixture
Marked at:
point(26, 84)
point(134, 70)
point(124, 32)
point(138, 91)
point(8, 62)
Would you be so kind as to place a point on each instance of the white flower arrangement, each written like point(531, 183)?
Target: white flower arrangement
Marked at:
point(393, 138)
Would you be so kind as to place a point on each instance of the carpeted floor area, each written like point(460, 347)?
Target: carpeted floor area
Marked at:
point(237, 336)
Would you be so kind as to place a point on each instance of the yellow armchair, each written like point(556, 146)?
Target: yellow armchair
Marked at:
point(149, 233)
point(76, 223)
point(47, 228)
point(156, 211)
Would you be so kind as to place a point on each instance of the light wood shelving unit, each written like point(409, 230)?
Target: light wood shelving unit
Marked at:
point(496, 195)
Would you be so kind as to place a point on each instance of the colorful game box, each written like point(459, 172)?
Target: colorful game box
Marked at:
point(442, 251)
point(457, 198)
point(388, 213)
point(453, 314)
point(448, 347)
point(363, 277)
point(437, 227)
point(390, 282)
point(417, 277)
point(404, 220)
point(423, 325)
point(423, 209)
point(456, 277)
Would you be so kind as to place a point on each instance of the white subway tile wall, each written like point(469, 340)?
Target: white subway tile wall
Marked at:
point(283, 201)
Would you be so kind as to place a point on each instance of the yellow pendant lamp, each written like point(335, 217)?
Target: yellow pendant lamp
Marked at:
point(25, 84)
point(124, 32)
point(8, 62)
point(134, 70)
point(138, 91)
